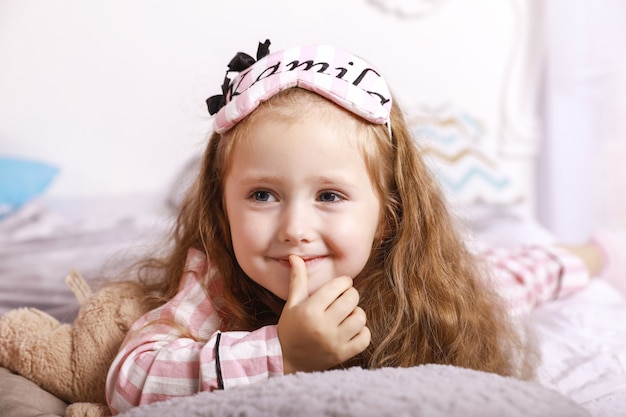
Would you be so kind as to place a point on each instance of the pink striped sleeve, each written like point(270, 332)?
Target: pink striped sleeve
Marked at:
point(528, 276)
point(156, 363)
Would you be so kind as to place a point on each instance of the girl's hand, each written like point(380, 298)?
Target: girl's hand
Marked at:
point(325, 329)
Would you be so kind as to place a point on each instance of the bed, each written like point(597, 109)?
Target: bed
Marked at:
point(480, 126)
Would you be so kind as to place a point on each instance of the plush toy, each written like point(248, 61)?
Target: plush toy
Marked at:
point(71, 360)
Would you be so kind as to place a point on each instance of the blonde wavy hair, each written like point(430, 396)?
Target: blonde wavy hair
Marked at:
point(424, 294)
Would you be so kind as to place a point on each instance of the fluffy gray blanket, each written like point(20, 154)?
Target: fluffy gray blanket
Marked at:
point(428, 390)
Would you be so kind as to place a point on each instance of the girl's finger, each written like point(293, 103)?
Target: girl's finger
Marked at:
point(298, 282)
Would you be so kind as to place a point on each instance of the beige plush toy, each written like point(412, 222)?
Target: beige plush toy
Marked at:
point(71, 360)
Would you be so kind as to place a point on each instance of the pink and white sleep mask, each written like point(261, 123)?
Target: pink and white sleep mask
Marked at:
point(339, 76)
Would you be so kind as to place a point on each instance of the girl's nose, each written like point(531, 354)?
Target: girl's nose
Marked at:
point(296, 224)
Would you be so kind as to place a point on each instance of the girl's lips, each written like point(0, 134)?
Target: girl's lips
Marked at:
point(308, 260)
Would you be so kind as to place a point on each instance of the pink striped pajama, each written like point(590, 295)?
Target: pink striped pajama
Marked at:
point(156, 362)
point(528, 276)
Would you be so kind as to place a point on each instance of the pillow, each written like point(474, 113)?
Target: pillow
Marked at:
point(20, 397)
point(427, 390)
point(21, 180)
point(453, 141)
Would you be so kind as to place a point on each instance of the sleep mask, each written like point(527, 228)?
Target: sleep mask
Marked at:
point(339, 76)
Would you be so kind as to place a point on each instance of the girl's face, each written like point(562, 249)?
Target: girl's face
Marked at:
point(301, 187)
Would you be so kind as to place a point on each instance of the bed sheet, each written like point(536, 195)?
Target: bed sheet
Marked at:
point(581, 339)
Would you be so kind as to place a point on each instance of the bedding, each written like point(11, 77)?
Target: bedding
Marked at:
point(582, 341)
point(99, 237)
point(429, 390)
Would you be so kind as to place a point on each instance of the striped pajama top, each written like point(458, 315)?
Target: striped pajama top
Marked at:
point(156, 362)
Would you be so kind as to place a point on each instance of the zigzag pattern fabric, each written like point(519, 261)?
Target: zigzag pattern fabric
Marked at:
point(455, 151)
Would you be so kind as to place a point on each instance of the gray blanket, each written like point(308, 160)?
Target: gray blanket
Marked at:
point(429, 390)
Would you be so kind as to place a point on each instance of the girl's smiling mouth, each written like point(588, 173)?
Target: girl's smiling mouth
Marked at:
point(308, 260)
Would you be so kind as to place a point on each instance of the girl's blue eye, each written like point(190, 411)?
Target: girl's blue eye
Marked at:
point(261, 196)
point(329, 197)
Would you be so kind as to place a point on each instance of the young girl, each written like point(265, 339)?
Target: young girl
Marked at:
point(315, 237)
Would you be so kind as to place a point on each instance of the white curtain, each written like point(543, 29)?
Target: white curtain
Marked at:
point(582, 175)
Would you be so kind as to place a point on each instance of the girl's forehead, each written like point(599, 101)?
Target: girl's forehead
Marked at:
point(298, 106)
point(302, 112)
point(308, 129)
point(305, 152)
point(306, 118)
point(317, 129)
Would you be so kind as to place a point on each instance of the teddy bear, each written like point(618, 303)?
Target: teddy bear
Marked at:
point(71, 360)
